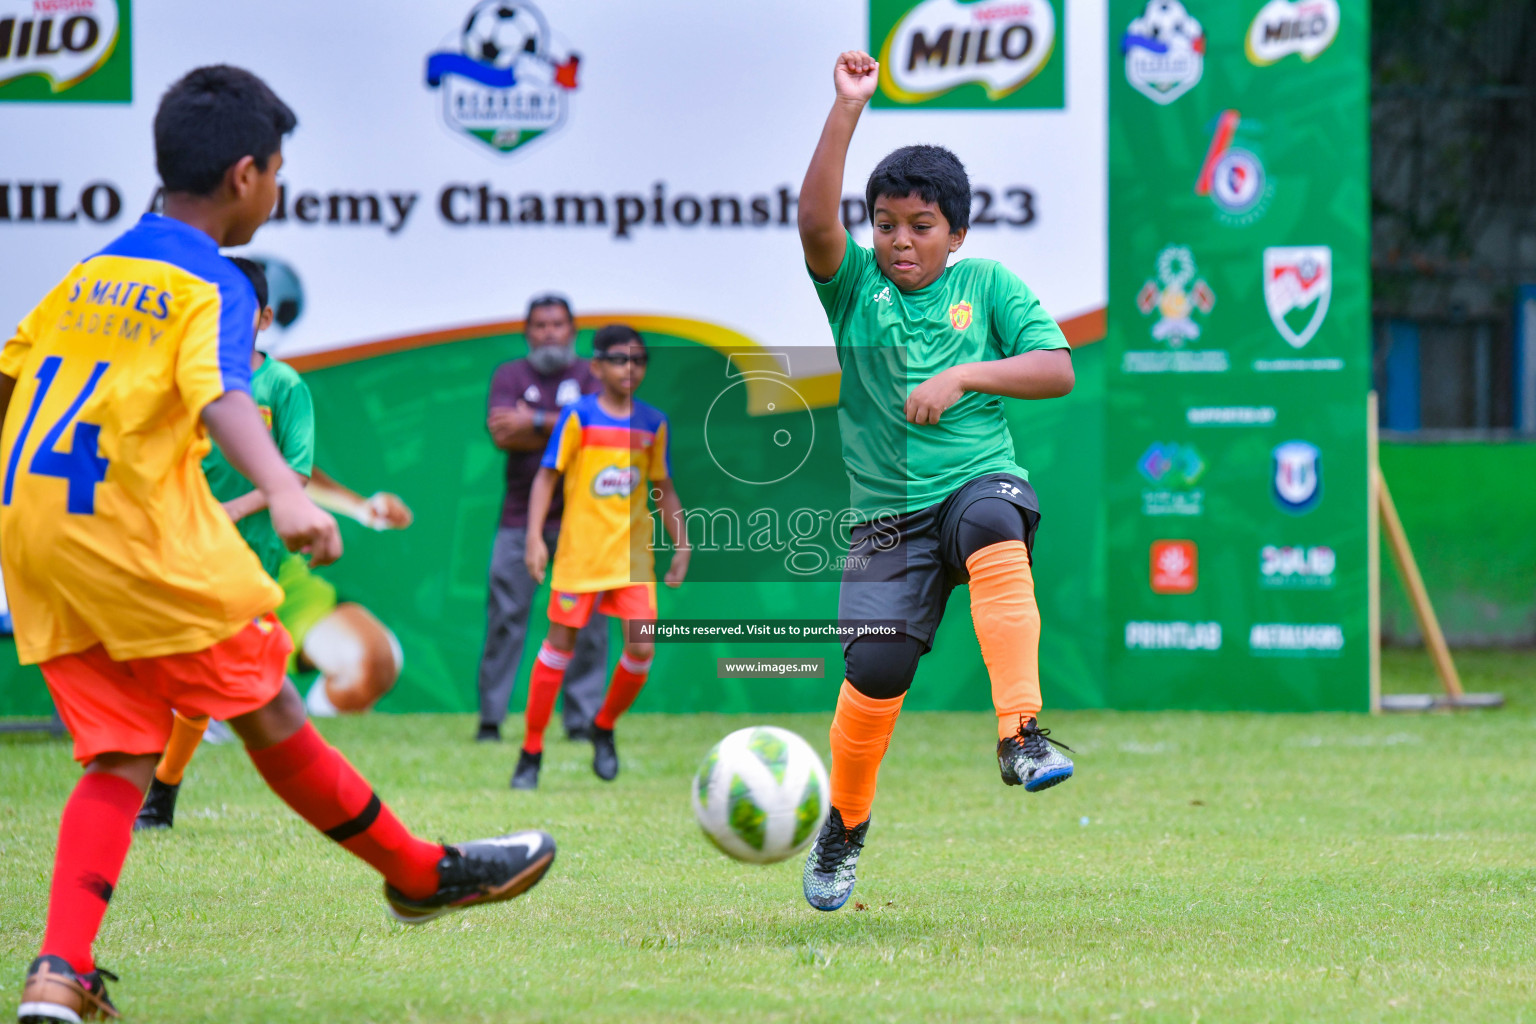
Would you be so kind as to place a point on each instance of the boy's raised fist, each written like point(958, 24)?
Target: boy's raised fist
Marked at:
point(856, 75)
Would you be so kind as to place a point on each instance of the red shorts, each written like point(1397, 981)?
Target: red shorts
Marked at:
point(125, 706)
point(636, 601)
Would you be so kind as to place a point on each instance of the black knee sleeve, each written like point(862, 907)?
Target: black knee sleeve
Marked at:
point(988, 521)
point(882, 669)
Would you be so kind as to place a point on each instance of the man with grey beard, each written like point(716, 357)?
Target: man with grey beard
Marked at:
point(526, 398)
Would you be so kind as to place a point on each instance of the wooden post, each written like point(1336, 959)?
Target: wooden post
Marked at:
point(1373, 546)
point(1418, 596)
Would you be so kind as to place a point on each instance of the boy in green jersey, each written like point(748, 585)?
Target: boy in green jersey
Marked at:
point(928, 351)
point(285, 404)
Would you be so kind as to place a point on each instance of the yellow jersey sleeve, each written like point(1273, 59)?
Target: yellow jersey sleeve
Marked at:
point(661, 457)
point(20, 344)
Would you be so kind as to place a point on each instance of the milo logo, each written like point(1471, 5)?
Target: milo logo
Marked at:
point(977, 55)
point(612, 481)
point(49, 47)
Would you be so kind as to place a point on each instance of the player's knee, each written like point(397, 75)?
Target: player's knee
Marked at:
point(989, 521)
point(561, 637)
point(882, 668)
point(639, 651)
point(358, 655)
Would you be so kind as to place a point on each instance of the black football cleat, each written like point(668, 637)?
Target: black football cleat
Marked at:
point(526, 774)
point(1029, 758)
point(828, 876)
point(489, 732)
point(159, 810)
point(55, 994)
point(605, 758)
point(480, 871)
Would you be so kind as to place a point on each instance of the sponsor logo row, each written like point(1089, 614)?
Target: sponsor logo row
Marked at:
point(1165, 46)
point(1297, 284)
point(1174, 470)
point(1175, 567)
point(1265, 638)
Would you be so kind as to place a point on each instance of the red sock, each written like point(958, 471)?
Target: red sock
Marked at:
point(315, 780)
point(94, 834)
point(543, 686)
point(628, 677)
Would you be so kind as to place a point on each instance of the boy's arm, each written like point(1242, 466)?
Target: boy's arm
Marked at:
point(7, 385)
point(535, 552)
point(677, 528)
point(821, 194)
point(248, 503)
point(1043, 373)
point(237, 428)
point(382, 511)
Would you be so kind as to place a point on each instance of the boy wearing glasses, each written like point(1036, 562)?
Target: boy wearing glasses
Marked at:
point(612, 451)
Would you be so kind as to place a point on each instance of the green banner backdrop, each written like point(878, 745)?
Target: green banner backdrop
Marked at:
point(1238, 355)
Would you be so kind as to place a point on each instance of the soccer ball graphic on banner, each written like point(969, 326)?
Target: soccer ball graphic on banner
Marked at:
point(761, 794)
point(497, 33)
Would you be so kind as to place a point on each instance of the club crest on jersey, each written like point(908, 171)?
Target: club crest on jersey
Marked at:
point(567, 602)
point(1283, 27)
point(1164, 51)
point(615, 481)
point(1176, 295)
point(1297, 277)
point(960, 315)
point(1298, 476)
point(502, 83)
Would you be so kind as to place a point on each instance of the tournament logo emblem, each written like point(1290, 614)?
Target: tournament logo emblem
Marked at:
point(501, 80)
point(1283, 27)
point(1164, 51)
point(50, 48)
point(1176, 295)
point(960, 315)
point(974, 54)
point(1298, 476)
point(1298, 277)
point(1232, 176)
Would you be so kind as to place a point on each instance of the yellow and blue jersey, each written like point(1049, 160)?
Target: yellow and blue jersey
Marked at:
point(609, 464)
point(108, 531)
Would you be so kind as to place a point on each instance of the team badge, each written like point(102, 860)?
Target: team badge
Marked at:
point(1283, 27)
point(1164, 51)
point(1298, 476)
point(567, 602)
point(960, 315)
point(1298, 277)
point(1176, 295)
point(502, 83)
point(1232, 176)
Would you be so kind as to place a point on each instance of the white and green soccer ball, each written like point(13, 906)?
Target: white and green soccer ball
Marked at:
point(761, 794)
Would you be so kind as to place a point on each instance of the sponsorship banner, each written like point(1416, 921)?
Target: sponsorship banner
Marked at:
point(1238, 355)
point(455, 158)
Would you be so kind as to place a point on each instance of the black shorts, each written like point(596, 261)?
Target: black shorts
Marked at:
point(904, 568)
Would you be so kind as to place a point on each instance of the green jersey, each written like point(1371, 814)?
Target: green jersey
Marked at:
point(283, 398)
point(890, 341)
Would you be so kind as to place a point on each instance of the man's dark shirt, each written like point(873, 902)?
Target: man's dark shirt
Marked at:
point(519, 381)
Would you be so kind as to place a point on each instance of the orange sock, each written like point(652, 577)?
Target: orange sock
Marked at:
point(186, 734)
point(861, 732)
point(543, 687)
point(1008, 626)
point(628, 677)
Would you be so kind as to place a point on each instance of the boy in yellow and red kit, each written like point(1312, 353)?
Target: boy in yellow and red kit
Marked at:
point(613, 451)
point(130, 586)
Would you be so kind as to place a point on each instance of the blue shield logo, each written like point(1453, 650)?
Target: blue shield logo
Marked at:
point(1298, 476)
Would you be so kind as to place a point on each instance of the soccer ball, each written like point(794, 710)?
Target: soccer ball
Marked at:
point(761, 794)
point(497, 32)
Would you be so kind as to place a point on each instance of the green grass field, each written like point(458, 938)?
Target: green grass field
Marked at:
point(1200, 867)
